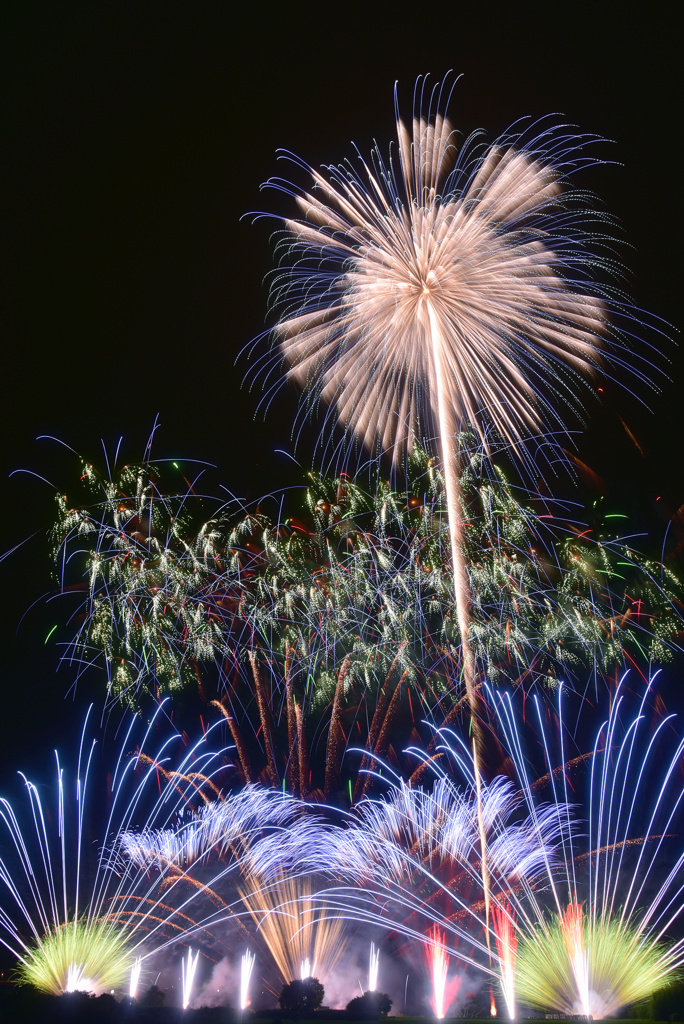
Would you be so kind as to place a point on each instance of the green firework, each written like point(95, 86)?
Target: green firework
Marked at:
point(618, 965)
point(91, 956)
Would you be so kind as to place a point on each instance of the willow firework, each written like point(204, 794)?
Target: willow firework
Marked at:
point(344, 617)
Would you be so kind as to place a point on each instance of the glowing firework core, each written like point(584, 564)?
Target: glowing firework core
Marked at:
point(373, 968)
point(76, 982)
point(439, 961)
point(245, 975)
point(503, 922)
point(135, 978)
point(307, 969)
point(188, 968)
point(572, 926)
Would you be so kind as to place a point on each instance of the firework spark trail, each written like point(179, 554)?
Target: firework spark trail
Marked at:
point(438, 829)
point(247, 966)
point(188, 969)
point(307, 969)
point(286, 912)
point(95, 934)
point(503, 924)
point(225, 828)
point(439, 969)
point(373, 967)
point(572, 927)
point(135, 978)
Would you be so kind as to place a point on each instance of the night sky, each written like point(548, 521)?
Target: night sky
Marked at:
point(135, 137)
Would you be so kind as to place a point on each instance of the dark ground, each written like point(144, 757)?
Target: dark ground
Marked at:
point(29, 1007)
point(25, 1007)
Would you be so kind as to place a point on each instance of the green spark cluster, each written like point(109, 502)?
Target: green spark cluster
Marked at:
point(95, 954)
point(623, 966)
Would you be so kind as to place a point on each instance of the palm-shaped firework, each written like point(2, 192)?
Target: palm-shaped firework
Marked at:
point(441, 290)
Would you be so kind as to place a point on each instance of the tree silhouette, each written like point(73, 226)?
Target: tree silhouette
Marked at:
point(302, 995)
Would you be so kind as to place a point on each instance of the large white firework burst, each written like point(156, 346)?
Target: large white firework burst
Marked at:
point(446, 287)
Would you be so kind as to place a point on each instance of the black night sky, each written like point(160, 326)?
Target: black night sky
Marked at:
point(135, 137)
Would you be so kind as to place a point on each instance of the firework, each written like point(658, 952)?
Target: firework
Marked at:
point(506, 939)
point(93, 938)
point(188, 969)
point(599, 916)
point(225, 827)
point(135, 978)
point(439, 961)
point(574, 968)
point(289, 923)
point(425, 842)
point(307, 969)
point(145, 586)
point(596, 960)
point(373, 966)
point(80, 956)
point(415, 853)
point(346, 622)
point(244, 832)
point(443, 994)
point(449, 291)
point(247, 966)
